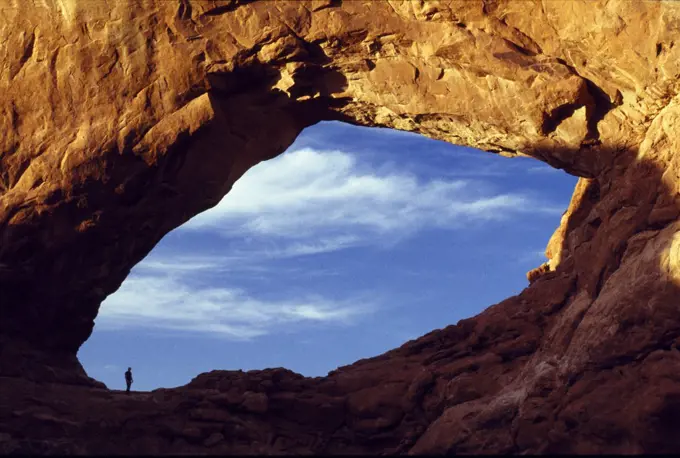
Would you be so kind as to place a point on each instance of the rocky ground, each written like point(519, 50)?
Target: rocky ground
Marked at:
point(462, 389)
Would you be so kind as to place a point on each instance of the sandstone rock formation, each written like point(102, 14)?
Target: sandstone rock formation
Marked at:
point(124, 118)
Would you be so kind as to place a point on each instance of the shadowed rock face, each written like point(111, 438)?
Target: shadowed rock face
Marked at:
point(122, 119)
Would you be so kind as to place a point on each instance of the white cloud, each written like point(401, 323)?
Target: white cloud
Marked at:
point(251, 262)
point(152, 300)
point(331, 199)
point(545, 168)
point(533, 256)
point(179, 264)
point(304, 202)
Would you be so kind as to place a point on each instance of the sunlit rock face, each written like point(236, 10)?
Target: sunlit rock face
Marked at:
point(121, 119)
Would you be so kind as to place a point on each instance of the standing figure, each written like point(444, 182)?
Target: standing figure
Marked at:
point(128, 379)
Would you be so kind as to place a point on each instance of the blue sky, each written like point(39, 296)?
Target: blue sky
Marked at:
point(349, 244)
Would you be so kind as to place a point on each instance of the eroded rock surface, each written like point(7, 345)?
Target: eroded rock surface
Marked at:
point(122, 119)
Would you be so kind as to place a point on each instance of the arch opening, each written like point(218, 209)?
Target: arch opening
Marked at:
point(352, 242)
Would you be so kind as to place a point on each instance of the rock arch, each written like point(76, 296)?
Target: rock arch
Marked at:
point(124, 118)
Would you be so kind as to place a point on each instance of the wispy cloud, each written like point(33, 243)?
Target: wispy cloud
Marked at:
point(330, 198)
point(251, 262)
point(159, 296)
point(305, 202)
point(533, 256)
point(543, 169)
point(155, 300)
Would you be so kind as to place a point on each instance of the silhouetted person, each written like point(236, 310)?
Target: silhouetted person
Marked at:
point(128, 379)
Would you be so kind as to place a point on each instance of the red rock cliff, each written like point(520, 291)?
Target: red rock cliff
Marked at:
point(124, 118)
